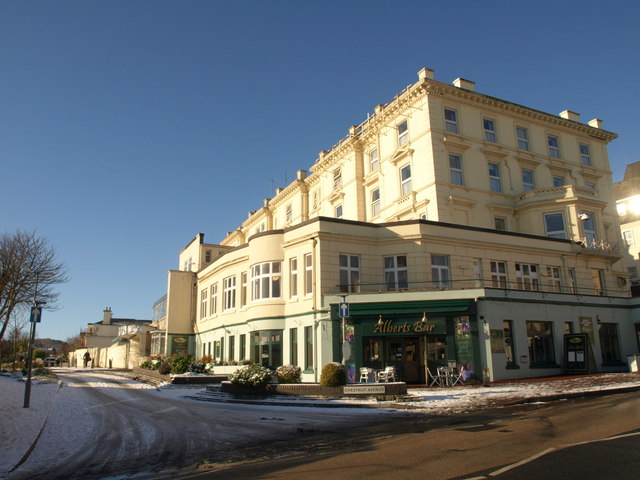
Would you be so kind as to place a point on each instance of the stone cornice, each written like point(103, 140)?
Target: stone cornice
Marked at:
point(288, 192)
point(481, 100)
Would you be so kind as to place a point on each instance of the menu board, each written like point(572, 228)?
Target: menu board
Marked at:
point(576, 352)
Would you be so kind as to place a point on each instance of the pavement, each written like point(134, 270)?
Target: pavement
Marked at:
point(465, 397)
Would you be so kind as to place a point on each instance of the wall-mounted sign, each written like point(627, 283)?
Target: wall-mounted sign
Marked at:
point(497, 340)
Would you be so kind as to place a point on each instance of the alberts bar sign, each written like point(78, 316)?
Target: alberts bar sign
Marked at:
point(407, 327)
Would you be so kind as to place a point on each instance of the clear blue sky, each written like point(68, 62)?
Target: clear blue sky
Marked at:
point(127, 127)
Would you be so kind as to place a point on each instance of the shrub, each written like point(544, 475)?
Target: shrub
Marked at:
point(200, 368)
point(147, 364)
point(180, 364)
point(244, 361)
point(251, 376)
point(333, 375)
point(206, 359)
point(289, 374)
point(165, 367)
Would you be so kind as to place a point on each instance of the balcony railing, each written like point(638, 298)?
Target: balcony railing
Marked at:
point(596, 246)
point(557, 193)
point(129, 330)
point(541, 285)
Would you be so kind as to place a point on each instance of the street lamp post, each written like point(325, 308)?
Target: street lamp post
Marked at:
point(36, 314)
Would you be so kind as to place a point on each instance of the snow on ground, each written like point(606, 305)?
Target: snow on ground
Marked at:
point(20, 426)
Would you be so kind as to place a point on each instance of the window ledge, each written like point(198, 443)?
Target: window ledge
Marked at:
point(400, 153)
point(614, 363)
point(371, 178)
point(544, 365)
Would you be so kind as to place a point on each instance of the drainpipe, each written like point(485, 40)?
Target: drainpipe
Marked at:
point(314, 267)
point(316, 323)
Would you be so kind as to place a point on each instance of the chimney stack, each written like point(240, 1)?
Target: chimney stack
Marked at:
point(106, 316)
point(569, 115)
point(465, 84)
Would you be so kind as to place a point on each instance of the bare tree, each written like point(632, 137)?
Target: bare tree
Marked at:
point(28, 269)
point(73, 343)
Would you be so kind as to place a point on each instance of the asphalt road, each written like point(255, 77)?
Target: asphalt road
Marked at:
point(103, 427)
point(502, 443)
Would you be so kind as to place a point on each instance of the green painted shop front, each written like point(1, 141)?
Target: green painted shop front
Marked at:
point(410, 336)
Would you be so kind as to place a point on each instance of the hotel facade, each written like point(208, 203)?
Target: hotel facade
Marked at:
point(457, 227)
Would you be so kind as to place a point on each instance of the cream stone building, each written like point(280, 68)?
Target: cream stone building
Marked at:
point(459, 228)
point(114, 342)
point(627, 194)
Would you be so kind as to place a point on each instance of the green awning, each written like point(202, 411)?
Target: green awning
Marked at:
point(427, 306)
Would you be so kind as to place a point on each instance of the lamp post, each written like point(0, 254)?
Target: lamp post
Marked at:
point(36, 314)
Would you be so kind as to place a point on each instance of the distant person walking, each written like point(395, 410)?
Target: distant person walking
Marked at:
point(87, 358)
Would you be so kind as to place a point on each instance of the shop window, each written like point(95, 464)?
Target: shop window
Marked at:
point(509, 349)
point(308, 348)
point(243, 347)
point(232, 348)
point(608, 333)
point(372, 349)
point(293, 345)
point(540, 339)
point(267, 348)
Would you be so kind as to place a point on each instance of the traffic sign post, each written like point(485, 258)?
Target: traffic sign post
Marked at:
point(36, 316)
point(343, 311)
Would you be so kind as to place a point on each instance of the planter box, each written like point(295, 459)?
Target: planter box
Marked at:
point(197, 379)
point(151, 373)
point(378, 390)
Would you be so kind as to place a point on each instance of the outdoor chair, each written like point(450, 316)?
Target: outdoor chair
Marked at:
point(364, 375)
point(387, 375)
